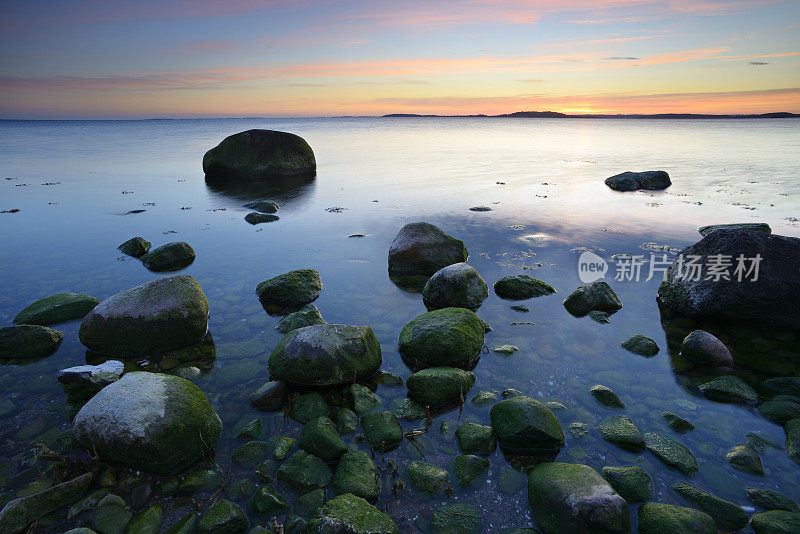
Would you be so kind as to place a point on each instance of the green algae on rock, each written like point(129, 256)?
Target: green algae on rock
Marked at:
point(521, 287)
point(357, 474)
point(306, 316)
point(630, 481)
point(135, 247)
point(427, 479)
point(745, 459)
point(28, 341)
point(671, 452)
point(17, 514)
point(455, 286)
point(268, 501)
point(289, 291)
point(606, 396)
point(304, 471)
point(437, 386)
point(320, 438)
point(776, 522)
point(676, 422)
point(622, 432)
point(727, 515)
point(255, 217)
point(148, 522)
point(450, 337)
point(729, 388)
point(772, 500)
point(526, 426)
point(476, 439)
point(307, 504)
point(422, 249)
point(641, 345)
point(597, 296)
point(224, 517)
point(56, 309)
point(456, 518)
point(308, 406)
point(658, 518)
point(258, 154)
point(350, 513)
point(170, 257)
point(382, 430)
point(468, 467)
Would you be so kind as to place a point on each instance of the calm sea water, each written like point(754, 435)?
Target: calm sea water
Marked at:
point(75, 181)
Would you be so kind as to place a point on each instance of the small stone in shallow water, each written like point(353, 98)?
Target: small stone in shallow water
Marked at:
point(255, 217)
point(112, 515)
point(438, 386)
point(268, 501)
point(17, 514)
point(169, 257)
point(677, 423)
point(506, 350)
point(135, 247)
point(289, 291)
point(201, 480)
point(422, 248)
point(450, 337)
point(746, 459)
point(521, 286)
point(781, 410)
point(304, 472)
point(484, 398)
point(410, 410)
point(672, 452)
point(460, 518)
point(56, 309)
point(595, 296)
point(320, 438)
point(86, 380)
point(262, 206)
point(307, 504)
point(28, 341)
point(468, 467)
point(599, 316)
point(729, 388)
point(357, 474)
point(606, 396)
point(252, 430)
point(526, 426)
point(776, 522)
point(363, 399)
point(728, 516)
point(426, 478)
point(223, 516)
point(772, 500)
point(382, 430)
point(631, 482)
point(480, 208)
point(641, 345)
point(458, 285)
point(476, 439)
point(578, 430)
point(269, 396)
point(520, 308)
point(622, 432)
point(306, 316)
point(658, 518)
point(350, 513)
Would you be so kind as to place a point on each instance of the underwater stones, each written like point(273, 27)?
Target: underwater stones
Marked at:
point(307, 504)
point(17, 514)
point(382, 430)
point(56, 309)
point(745, 459)
point(575, 498)
point(86, 380)
point(306, 316)
point(347, 420)
point(506, 350)
point(268, 501)
point(255, 217)
point(456, 518)
point(451, 337)
point(455, 286)
point(289, 291)
point(156, 423)
point(772, 298)
point(776, 522)
point(308, 406)
point(729, 388)
point(438, 386)
point(200, 480)
point(410, 410)
point(727, 516)
point(606, 396)
point(631, 482)
point(622, 432)
point(468, 467)
point(427, 479)
point(258, 154)
point(476, 439)
point(526, 426)
point(781, 410)
point(350, 513)
point(633, 181)
point(702, 347)
point(484, 398)
point(641, 345)
point(169, 257)
point(269, 396)
point(304, 472)
point(320, 438)
point(785, 385)
point(326, 355)
point(263, 206)
point(363, 399)
point(135, 247)
point(148, 522)
point(671, 452)
point(792, 430)
point(112, 515)
point(757, 227)
point(357, 474)
point(157, 316)
point(772, 500)
point(676, 422)
point(224, 517)
point(658, 518)
point(252, 453)
point(28, 341)
point(597, 296)
point(422, 249)
point(521, 286)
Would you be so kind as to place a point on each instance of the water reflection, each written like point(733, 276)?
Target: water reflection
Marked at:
point(282, 189)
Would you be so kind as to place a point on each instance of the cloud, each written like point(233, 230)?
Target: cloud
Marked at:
point(619, 58)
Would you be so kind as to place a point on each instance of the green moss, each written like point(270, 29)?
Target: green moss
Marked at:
point(671, 452)
point(437, 386)
point(308, 503)
point(729, 388)
point(382, 430)
point(525, 425)
point(304, 472)
point(745, 459)
point(776, 522)
point(726, 515)
point(521, 286)
point(306, 316)
point(56, 309)
point(350, 513)
point(28, 341)
point(476, 439)
point(456, 518)
point(427, 479)
point(677, 423)
point(268, 501)
point(357, 474)
point(605, 396)
point(148, 522)
point(290, 290)
point(169, 257)
point(631, 482)
point(308, 406)
point(450, 337)
point(224, 517)
point(657, 518)
point(641, 345)
point(135, 247)
point(17, 514)
point(597, 296)
point(621, 431)
point(468, 467)
point(320, 438)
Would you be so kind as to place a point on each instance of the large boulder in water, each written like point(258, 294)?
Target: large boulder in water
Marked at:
point(151, 318)
point(56, 309)
point(526, 426)
point(289, 291)
point(771, 298)
point(451, 337)
point(151, 422)
point(575, 498)
point(259, 154)
point(458, 286)
point(422, 249)
point(633, 181)
point(326, 355)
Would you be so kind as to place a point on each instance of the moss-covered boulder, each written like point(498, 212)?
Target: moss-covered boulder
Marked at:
point(427, 479)
point(155, 317)
point(630, 481)
point(641, 345)
point(727, 515)
point(258, 154)
point(170, 257)
point(56, 309)
point(672, 452)
point(135, 247)
point(289, 291)
point(658, 518)
point(422, 249)
point(783, 385)
point(622, 432)
point(729, 388)
point(326, 355)
point(268, 501)
point(307, 504)
point(468, 467)
point(85, 380)
point(308, 406)
point(306, 316)
point(776, 522)
point(112, 515)
point(21, 342)
point(148, 522)
point(255, 217)
point(597, 296)
point(304, 471)
point(151, 422)
point(456, 518)
point(455, 286)
point(606, 396)
point(792, 430)
point(521, 286)
point(438, 386)
point(224, 517)
point(451, 337)
point(17, 514)
point(320, 438)
point(526, 426)
point(575, 498)
point(772, 500)
point(745, 459)
point(781, 410)
point(349, 513)
point(382, 430)
point(357, 474)
point(677, 423)
point(476, 439)
point(363, 399)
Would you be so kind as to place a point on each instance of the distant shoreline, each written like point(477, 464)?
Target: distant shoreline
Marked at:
point(557, 115)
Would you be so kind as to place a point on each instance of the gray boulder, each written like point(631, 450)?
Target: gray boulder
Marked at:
point(86, 380)
point(633, 181)
point(702, 347)
point(256, 154)
point(422, 249)
point(455, 286)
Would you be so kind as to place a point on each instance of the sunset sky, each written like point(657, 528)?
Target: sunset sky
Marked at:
point(182, 58)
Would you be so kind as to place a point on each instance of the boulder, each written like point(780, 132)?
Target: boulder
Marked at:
point(672, 452)
point(437, 386)
point(357, 474)
point(349, 513)
point(633, 181)
point(308, 315)
point(729, 517)
point(268, 501)
point(427, 479)
point(575, 498)
point(677, 423)
point(631, 482)
point(701, 347)
point(422, 249)
point(326, 355)
point(526, 426)
point(468, 467)
point(320, 438)
point(451, 337)
point(151, 422)
point(304, 472)
point(289, 291)
point(170, 257)
point(658, 518)
point(772, 500)
point(772, 298)
point(781, 410)
point(456, 518)
point(135, 247)
point(56, 309)
point(756, 227)
point(269, 396)
point(641, 345)
point(729, 388)
point(382, 430)
point(86, 380)
point(597, 296)
point(776, 522)
point(257, 154)
point(784, 385)
point(455, 286)
point(154, 317)
point(521, 286)
point(21, 342)
point(17, 514)
point(745, 459)
point(606, 396)
point(622, 432)
point(476, 439)
point(223, 517)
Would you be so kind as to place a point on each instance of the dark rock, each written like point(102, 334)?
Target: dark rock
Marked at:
point(263, 206)
point(308, 406)
point(17, 514)
point(135, 246)
point(289, 291)
point(456, 518)
point(606, 396)
point(112, 515)
point(56, 309)
point(427, 479)
point(255, 217)
point(622, 432)
point(357, 474)
point(455, 286)
point(28, 341)
point(268, 501)
point(521, 286)
point(729, 388)
point(786, 385)
point(776, 522)
point(641, 345)
point(756, 227)
point(597, 296)
point(320, 438)
point(657, 518)
point(727, 516)
point(702, 347)
point(672, 452)
point(476, 439)
point(631, 482)
point(468, 467)
point(792, 430)
point(422, 249)
point(633, 181)
point(269, 396)
point(169, 257)
point(258, 154)
point(308, 315)
point(148, 522)
point(224, 517)
point(382, 430)
point(745, 459)
point(525, 425)
point(349, 513)
point(677, 423)
point(772, 500)
point(438, 386)
point(781, 410)
point(451, 337)
point(304, 471)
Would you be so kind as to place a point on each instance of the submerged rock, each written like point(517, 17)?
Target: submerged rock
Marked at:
point(326, 355)
point(451, 337)
point(257, 154)
point(225, 517)
point(382, 430)
point(781, 410)
point(455, 286)
point(308, 315)
point(422, 249)
point(308, 406)
point(633, 181)
point(56, 309)
point(427, 479)
point(476, 439)
point(772, 298)
point(672, 452)
point(161, 315)
point(727, 516)
point(658, 518)
point(156, 423)
point(468, 467)
point(792, 430)
point(597, 296)
point(304, 471)
point(785, 385)
point(631, 482)
point(757, 227)
point(526, 426)
point(289, 291)
point(268, 501)
point(521, 286)
point(772, 500)
point(437, 386)
point(350, 513)
point(702, 347)
point(729, 388)
point(575, 498)
point(622, 432)
point(17, 514)
point(148, 522)
point(641, 345)
point(606, 396)
point(135, 247)
point(506, 350)
point(745, 459)
point(320, 438)
point(112, 515)
point(269, 396)
point(255, 217)
point(86, 380)
point(677, 423)
point(169, 257)
point(357, 474)
point(263, 206)
point(28, 341)
point(456, 518)
point(776, 522)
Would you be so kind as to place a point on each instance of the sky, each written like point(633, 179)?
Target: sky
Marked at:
point(272, 58)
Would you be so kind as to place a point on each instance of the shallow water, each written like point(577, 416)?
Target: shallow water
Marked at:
point(542, 178)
